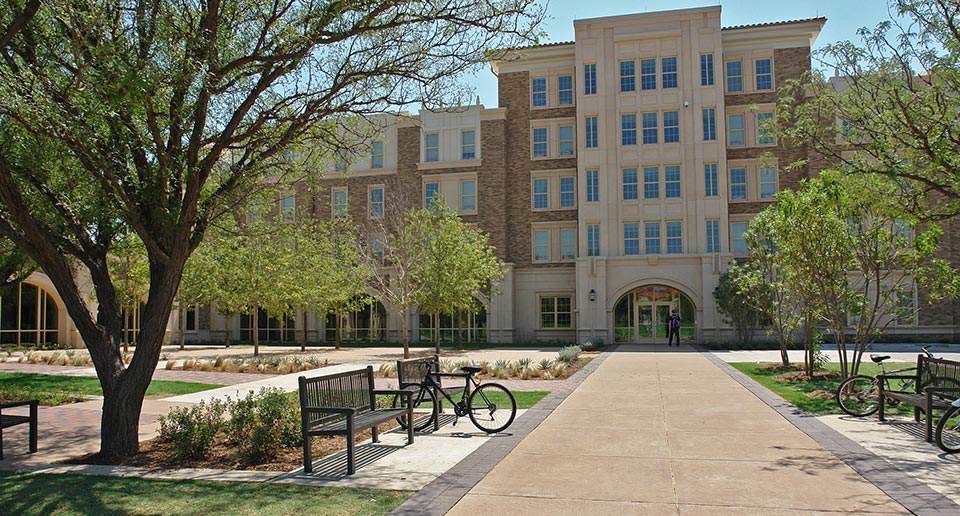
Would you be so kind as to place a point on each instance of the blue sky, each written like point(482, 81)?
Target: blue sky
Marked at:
point(844, 17)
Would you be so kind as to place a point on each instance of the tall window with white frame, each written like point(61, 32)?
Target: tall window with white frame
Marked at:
point(376, 154)
point(734, 76)
point(671, 181)
point(738, 244)
point(735, 131)
point(568, 244)
point(593, 186)
point(674, 237)
point(710, 180)
point(628, 77)
point(590, 132)
point(651, 237)
point(706, 69)
point(431, 191)
point(340, 203)
point(628, 129)
point(709, 124)
point(541, 245)
point(668, 71)
point(288, 207)
point(671, 127)
point(556, 312)
point(738, 184)
point(468, 147)
point(539, 142)
point(432, 147)
point(651, 183)
point(713, 236)
point(539, 89)
point(649, 128)
point(768, 182)
point(376, 202)
point(648, 74)
point(566, 141)
point(590, 79)
point(593, 239)
point(630, 188)
point(764, 131)
point(541, 194)
point(468, 196)
point(631, 239)
point(565, 90)
point(764, 74)
point(906, 308)
point(568, 192)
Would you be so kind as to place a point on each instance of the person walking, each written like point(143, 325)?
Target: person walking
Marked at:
point(673, 329)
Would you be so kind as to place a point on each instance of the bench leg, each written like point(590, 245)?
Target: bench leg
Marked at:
point(307, 461)
point(33, 427)
point(350, 467)
point(1, 443)
point(375, 433)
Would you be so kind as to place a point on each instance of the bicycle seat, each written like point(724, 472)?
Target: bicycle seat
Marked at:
point(471, 369)
point(879, 358)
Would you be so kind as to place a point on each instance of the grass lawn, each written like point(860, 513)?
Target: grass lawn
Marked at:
point(527, 399)
point(796, 392)
point(57, 390)
point(38, 494)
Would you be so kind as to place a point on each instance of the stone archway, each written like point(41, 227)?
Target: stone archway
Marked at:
point(640, 314)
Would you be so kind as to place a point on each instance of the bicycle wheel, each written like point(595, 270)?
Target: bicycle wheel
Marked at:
point(858, 395)
point(424, 407)
point(492, 407)
point(947, 434)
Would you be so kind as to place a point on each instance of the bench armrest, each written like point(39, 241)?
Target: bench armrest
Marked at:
point(330, 410)
point(23, 403)
point(944, 390)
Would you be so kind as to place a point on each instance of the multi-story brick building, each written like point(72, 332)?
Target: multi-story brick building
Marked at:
point(616, 179)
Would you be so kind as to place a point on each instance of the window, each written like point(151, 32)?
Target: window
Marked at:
point(376, 246)
point(568, 192)
point(593, 186)
point(671, 181)
point(340, 162)
point(591, 132)
point(541, 245)
point(568, 244)
point(902, 229)
point(593, 239)
point(556, 312)
point(709, 125)
point(590, 79)
point(190, 318)
point(651, 183)
point(541, 197)
point(630, 184)
point(706, 69)
point(737, 243)
point(768, 182)
point(764, 75)
point(539, 92)
point(631, 239)
point(651, 237)
point(628, 129)
point(671, 127)
point(668, 69)
point(674, 237)
point(905, 308)
point(540, 142)
point(566, 140)
point(468, 148)
point(468, 195)
point(376, 154)
point(288, 207)
point(340, 203)
point(648, 74)
point(376, 202)
point(649, 128)
point(735, 130)
point(710, 179)
point(565, 90)
point(734, 76)
point(713, 236)
point(738, 184)
point(764, 131)
point(433, 147)
point(628, 77)
point(430, 193)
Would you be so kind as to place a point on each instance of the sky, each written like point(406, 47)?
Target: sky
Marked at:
point(844, 17)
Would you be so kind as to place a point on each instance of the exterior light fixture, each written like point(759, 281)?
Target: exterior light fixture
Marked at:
point(593, 295)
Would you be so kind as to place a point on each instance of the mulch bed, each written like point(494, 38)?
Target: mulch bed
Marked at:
point(800, 376)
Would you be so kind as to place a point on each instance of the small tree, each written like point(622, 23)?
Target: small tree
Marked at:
point(738, 308)
point(131, 277)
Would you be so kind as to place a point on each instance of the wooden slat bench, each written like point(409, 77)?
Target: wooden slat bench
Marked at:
point(936, 384)
point(8, 420)
point(344, 404)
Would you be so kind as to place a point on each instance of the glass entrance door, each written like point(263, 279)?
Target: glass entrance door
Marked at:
point(663, 318)
point(642, 314)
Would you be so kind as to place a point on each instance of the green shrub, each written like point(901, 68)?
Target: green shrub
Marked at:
point(569, 354)
point(192, 430)
point(594, 344)
point(262, 423)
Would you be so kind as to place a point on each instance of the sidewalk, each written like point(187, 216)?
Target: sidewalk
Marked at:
point(659, 432)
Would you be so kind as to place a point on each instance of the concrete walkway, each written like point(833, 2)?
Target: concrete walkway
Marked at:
point(658, 432)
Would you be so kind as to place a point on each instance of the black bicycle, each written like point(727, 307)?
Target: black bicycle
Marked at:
point(859, 395)
point(947, 434)
point(490, 406)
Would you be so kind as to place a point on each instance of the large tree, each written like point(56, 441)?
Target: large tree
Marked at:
point(156, 116)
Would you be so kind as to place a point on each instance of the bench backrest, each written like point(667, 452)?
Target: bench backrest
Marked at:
point(415, 370)
point(349, 389)
point(937, 372)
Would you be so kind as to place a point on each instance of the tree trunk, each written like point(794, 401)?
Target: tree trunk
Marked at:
point(120, 420)
point(303, 330)
point(226, 320)
point(403, 329)
point(784, 356)
point(181, 314)
point(337, 327)
point(436, 331)
point(459, 331)
point(256, 331)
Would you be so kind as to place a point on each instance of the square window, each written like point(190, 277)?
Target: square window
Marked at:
point(671, 181)
point(648, 74)
point(768, 182)
point(376, 154)
point(671, 127)
point(468, 195)
point(710, 179)
point(539, 89)
point(735, 130)
point(649, 128)
point(738, 184)
point(668, 68)
point(630, 189)
point(734, 76)
point(568, 192)
point(709, 124)
point(593, 186)
point(430, 193)
point(713, 236)
point(541, 245)
point(651, 237)
point(556, 312)
point(540, 142)
point(674, 237)
point(566, 140)
point(593, 239)
point(541, 198)
point(433, 147)
point(628, 78)
point(764, 75)
point(590, 132)
point(590, 79)
point(628, 129)
point(706, 69)
point(568, 244)
point(651, 183)
point(565, 90)
point(468, 145)
point(631, 239)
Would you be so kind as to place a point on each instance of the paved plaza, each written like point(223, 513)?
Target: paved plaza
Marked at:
point(640, 430)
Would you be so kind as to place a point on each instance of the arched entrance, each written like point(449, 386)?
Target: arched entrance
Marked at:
point(641, 314)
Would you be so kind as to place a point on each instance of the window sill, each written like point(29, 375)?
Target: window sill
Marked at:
point(437, 165)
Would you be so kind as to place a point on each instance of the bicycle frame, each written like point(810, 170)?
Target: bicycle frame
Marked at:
point(459, 407)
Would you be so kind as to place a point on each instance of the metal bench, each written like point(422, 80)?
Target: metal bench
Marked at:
point(936, 384)
point(344, 404)
point(8, 420)
point(413, 371)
